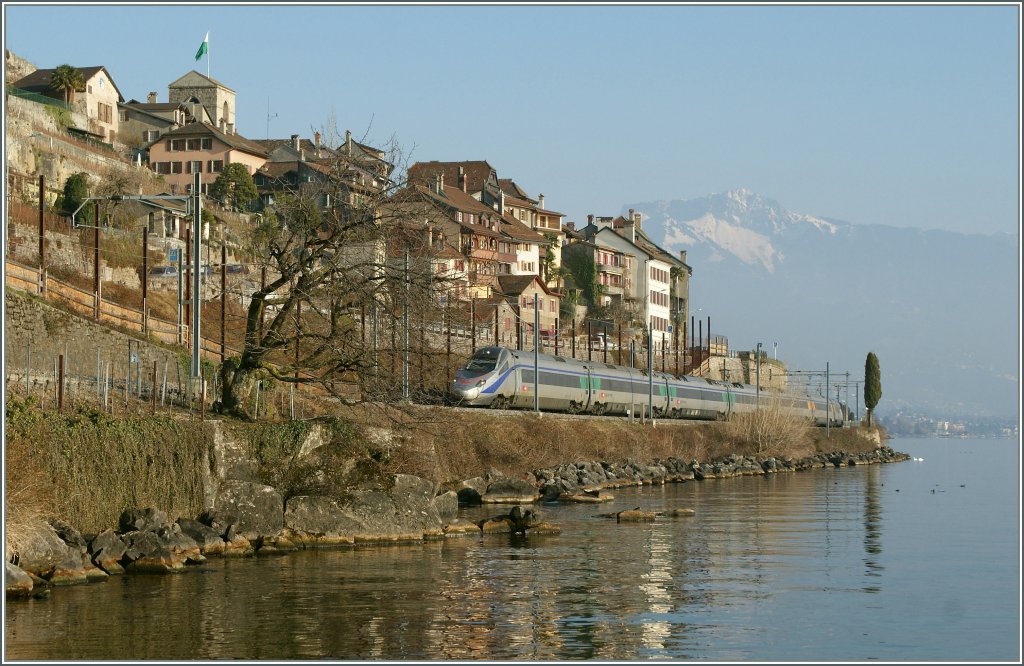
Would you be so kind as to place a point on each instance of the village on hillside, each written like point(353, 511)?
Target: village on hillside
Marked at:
point(479, 253)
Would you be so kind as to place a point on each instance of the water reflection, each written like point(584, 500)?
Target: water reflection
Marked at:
point(761, 555)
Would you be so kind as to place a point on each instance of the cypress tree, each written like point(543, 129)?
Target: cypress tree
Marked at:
point(872, 383)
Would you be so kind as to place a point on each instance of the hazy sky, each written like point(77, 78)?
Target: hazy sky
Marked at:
point(905, 116)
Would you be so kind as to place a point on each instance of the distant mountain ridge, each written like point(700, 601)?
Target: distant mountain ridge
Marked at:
point(941, 309)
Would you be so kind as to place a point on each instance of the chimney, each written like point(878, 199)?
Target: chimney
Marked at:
point(590, 219)
point(151, 98)
point(571, 226)
point(316, 140)
point(462, 179)
point(430, 236)
point(348, 142)
point(637, 220)
point(295, 141)
point(682, 256)
point(540, 201)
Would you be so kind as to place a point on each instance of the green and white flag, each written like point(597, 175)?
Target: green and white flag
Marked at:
point(204, 47)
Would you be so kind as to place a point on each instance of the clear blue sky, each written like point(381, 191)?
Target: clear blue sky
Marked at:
point(906, 116)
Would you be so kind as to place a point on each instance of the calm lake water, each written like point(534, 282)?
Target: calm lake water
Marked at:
point(912, 561)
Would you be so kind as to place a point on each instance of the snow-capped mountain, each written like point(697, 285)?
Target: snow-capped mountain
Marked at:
point(940, 309)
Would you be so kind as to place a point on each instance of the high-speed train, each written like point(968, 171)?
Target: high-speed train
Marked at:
point(503, 378)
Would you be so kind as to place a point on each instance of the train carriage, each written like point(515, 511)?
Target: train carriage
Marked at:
point(500, 377)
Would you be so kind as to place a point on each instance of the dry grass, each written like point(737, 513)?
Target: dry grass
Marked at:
point(86, 466)
point(445, 445)
point(770, 431)
point(28, 499)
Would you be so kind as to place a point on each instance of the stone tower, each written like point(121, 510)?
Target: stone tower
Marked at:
point(216, 98)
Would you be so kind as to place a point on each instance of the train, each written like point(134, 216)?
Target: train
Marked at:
point(503, 378)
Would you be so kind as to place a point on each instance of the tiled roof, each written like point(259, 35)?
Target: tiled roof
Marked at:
point(477, 173)
point(310, 149)
point(509, 187)
point(519, 231)
point(213, 81)
point(145, 106)
point(515, 285)
point(203, 129)
point(40, 79)
point(460, 201)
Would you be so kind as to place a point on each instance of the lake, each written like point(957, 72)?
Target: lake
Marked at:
point(911, 561)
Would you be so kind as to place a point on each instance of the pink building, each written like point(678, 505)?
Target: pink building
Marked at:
point(200, 148)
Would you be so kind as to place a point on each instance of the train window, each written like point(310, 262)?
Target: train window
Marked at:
point(482, 362)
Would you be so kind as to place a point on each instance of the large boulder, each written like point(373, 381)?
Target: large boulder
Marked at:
point(75, 569)
point(165, 549)
point(69, 535)
point(41, 552)
point(141, 520)
point(407, 510)
point(507, 490)
point(446, 505)
point(209, 539)
point(18, 583)
point(259, 509)
point(107, 549)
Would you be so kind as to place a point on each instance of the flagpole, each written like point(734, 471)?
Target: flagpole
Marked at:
point(207, 55)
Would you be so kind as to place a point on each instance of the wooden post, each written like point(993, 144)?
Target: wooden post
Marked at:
point(298, 333)
point(663, 353)
point(472, 324)
point(188, 283)
point(60, 384)
point(145, 277)
point(153, 397)
point(590, 335)
point(42, 234)
point(97, 294)
point(223, 298)
point(572, 337)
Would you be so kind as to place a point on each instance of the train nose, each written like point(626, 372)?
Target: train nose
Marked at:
point(464, 390)
point(468, 393)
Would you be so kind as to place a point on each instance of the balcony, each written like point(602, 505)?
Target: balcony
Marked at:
point(610, 269)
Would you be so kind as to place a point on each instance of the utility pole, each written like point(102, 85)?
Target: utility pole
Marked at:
point(828, 416)
point(197, 275)
point(536, 355)
point(758, 375)
point(650, 374)
point(405, 333)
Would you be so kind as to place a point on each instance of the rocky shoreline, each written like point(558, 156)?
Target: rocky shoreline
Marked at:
point(250, 519)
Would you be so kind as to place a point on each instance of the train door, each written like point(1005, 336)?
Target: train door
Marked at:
point(730, 400)
point(588, 397)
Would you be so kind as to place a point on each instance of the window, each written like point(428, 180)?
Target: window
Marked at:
point(161, 167)
point(195, 166)
point(150, 135)
point(207, 144)
point(659, 275)
point(122, 115)
point(104, 112)
point(176, 145)
point(216, 166)
point(175, 167)
point(458, 216)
